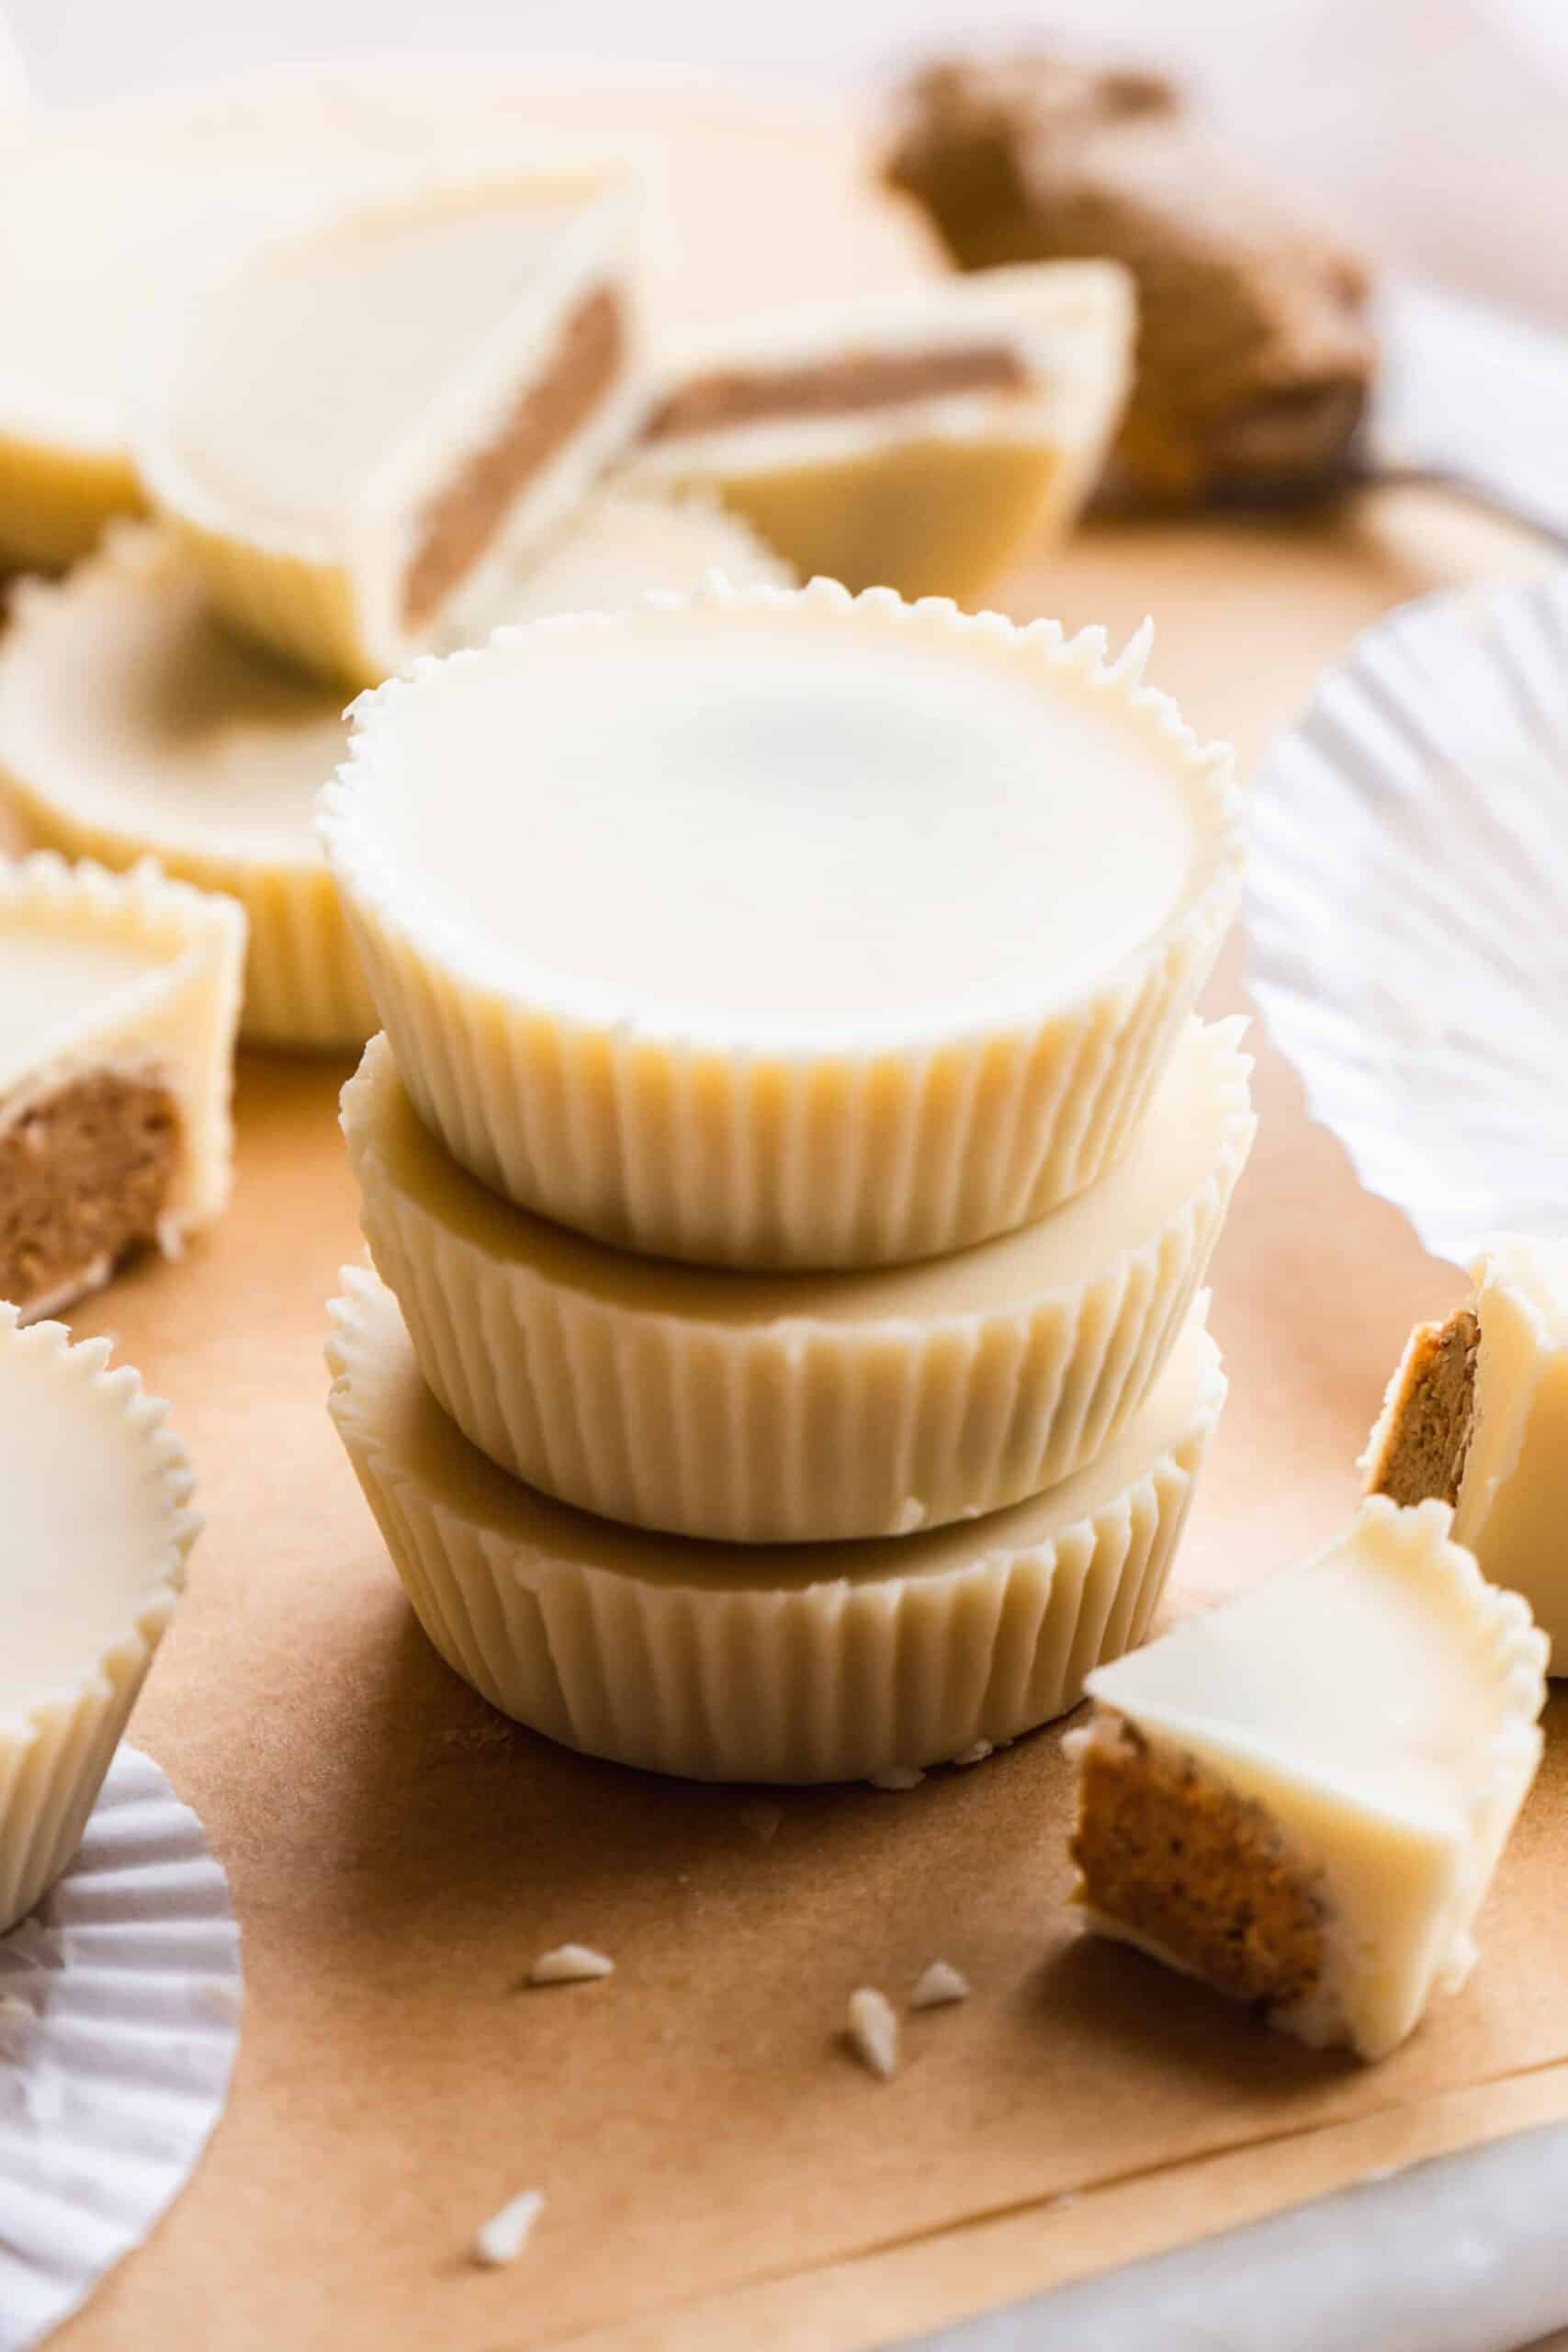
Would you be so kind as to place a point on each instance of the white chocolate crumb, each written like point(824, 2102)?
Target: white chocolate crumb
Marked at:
point(940, 1983)
point(502, 2238)
point(911, 1514)
point(872, 2031)
point(898, 1777)
point(976, 1753)
point(569, 1965)
point(763, 1820)
point(1062, 2204)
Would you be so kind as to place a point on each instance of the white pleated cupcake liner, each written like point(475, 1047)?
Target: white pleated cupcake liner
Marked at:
point(798, 1432)
point(1408, 880)
point(685, 1148)
point(119, 2006)
point(781, 1681)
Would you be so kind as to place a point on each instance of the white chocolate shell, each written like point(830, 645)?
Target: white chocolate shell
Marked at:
point(789, 1090)
point(931, 494)
point(97, 1536)
point(337, 481)
point(168, 1002)
point(794, 1407)
point(763, 1663)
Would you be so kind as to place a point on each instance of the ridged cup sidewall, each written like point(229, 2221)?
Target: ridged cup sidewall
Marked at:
point(752, 1159)
point(799, 1434)
point(828, 1682)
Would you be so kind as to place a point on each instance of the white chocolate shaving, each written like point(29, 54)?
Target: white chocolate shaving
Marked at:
point(872, 2031)
point(502, 2238)
point(941, 1985)
point(897, 1778)
point(569, 1965)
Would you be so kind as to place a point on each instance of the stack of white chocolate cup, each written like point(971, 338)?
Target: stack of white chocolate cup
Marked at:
point(803, 1399)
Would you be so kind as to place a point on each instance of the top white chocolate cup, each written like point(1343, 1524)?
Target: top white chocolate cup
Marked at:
point(784, 928)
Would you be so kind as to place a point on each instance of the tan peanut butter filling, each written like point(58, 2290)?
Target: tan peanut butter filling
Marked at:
point(843, 386)
point(460, 521)
point(85, 1174)
point(1429, 1430)
point(1177, 1860)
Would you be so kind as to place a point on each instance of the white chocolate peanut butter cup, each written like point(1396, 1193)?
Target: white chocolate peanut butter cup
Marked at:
point(807, 1662)
point(134, 724)
point(1301, 1796)
point(120, 996)
point(768, 1408)
point(338, 481)
point(1476, 1415)
point(784, 928)
point(921, 442)
point(97, 1533)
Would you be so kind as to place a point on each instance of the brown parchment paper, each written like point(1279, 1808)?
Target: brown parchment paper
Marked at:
point(718, 2173)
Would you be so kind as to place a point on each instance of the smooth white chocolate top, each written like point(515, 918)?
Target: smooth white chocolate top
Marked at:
point(782, 817)
point(380, 1396)
point(61, 981)
point(303, 374)
point(95, 1526)
point(1199, 1109)
point(1377, 1672)
point(123, 697)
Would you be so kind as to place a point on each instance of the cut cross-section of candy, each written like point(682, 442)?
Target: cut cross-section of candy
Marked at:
point(341, 480)
point(120, 995)
point(1301, 1796)
point(1477, 1415)
point(922, 442)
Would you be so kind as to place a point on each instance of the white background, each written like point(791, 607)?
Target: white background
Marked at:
point(1436, 129)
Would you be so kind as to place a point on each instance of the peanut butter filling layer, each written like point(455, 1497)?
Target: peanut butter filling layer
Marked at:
point(1428, 1431)
point(85, 1174)
point(1174, 1859)
point(460, 522)
point(845, 387)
